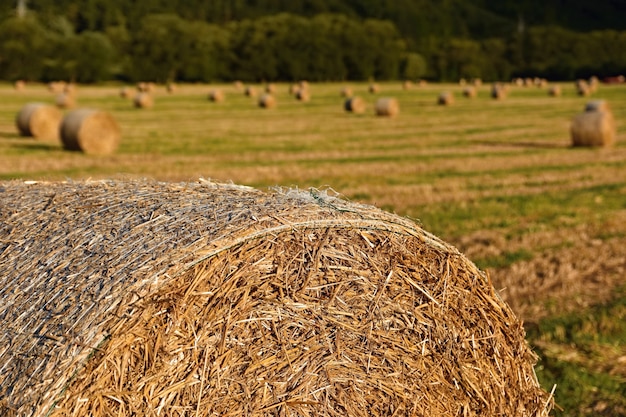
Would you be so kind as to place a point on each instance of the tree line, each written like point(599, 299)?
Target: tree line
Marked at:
point(286, 47)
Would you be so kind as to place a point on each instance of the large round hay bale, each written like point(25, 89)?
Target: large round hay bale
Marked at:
point(39, 120)
point(582, 88)
point(593, 128)
point(56, 87)
point(303, 94)
point(374, 88)
point(346, 92)
point(387, 106)
point(141, 298)
point(354, 104)
point(554, 91)
point(91, 131)
point(216, 95)
point(267, 101)
point(469, 91)
point(143, 100)
point(65, 101)
point(171, 87)
point(446, 98)
point(498, 91)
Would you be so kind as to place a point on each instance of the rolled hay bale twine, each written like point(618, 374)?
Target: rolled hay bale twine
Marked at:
point(303, 94)
point(65, 100)
point(593, 129)
point(143, 100)
point(39, 120)
point(554, 91)
point(446, 98)
point(267, 101)
point(387, 106)
point(469, 91)
point(498, 91)
point(211, 299)
point(250, 91)
point(216, 95)
point(354, 104)
point(373, 88)
point(90, 131)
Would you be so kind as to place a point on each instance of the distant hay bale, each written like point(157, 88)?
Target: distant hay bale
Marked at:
point(70, 88)
point(477, 82)
point(469, 91)
point(56, 87)
point(143, 100)
point(250, 91)
point(65, 101)
point(270, 88)
point(354, 104)
point(19, 85)
point(422, 83)
point(267, 101)
point(593, 128)
point(303, 84)
point(216, 95)
point(238, 85)
point(498, 91)
point(373, 88)
point(554, 91)
point(293, 88)
point(597, 105)
point(462, 82)
point(171, 87)
point(140, 298)
point(146, 87)
point(518, 81)
point(90, 131)
point(125, 92)
point(594, 82)
point(39, 120)
point(445, 98)
point(387, 106)
point(582, 88)
point(303, 94)
point(346, 92)
point(407, 85)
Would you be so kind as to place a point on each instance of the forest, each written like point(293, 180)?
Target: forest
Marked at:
point(92, 41)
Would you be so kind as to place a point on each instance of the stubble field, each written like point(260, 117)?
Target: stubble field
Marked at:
point(496, 178)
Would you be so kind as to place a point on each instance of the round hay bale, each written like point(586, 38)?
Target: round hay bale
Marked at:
point(171, 87)
point(446, 98)
point(498, 91)
point(238, 85)
point(267, 101)
point(39, 120)
point(554, 91)
point(387, 106)
point(303, 94)
point(593, 128)
point(250, 91)
point(354, 104)
point(56, 87)
point(270, 88)
point(303, 84)
point(374, 88)
point(346, 92)
point(70, 88)
point(477, 82)
point(407, 85)
point(597, 105)
point(65, 101)
point(124, 92)
point(141, 298)
point(582, 88)
point(19, 85)
point(469, 91)
point(90, 131)
point(462, 82)
point(216, 95)
point(143, 100)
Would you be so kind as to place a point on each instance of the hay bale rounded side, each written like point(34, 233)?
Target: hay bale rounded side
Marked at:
point(216, 95)
point(143, 100)
point(593, 129)
point(446, 98)
point(90, 131)
point(267, 101)
point(387, 106)
point(39, 120)
point(355, 105)
point(212, 299)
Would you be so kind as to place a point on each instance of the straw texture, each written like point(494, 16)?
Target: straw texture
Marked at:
point(153, 299)
point(90, 131)
point(41, 121)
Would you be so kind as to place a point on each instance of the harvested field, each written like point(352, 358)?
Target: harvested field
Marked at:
point(499, 179)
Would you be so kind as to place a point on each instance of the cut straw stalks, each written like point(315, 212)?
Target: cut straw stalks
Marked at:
point(147, 299)
point(387, 107)
point(90, 131)
point(39, 120)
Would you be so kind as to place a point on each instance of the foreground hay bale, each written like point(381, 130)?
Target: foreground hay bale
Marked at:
point(142, 298)
point(90, 131)
point(39, 120)
point(143, 100)
point(354, 105)
point(387, 107)
point(595, 127)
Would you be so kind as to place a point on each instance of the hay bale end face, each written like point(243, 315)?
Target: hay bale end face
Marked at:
point(354, 105)
point(594, 127)
point(210, 299)
point(387, 106)
point(90, 131)
point(39, 120)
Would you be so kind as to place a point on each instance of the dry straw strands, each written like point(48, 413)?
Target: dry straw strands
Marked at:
point(143, 100)
point(387, 106)
point(446, 98)
point(145, 299)
point(90, 131)
point(216, 95)
point(595, 126)
point(39, 120)
point(354, 105)
point(267, 101)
